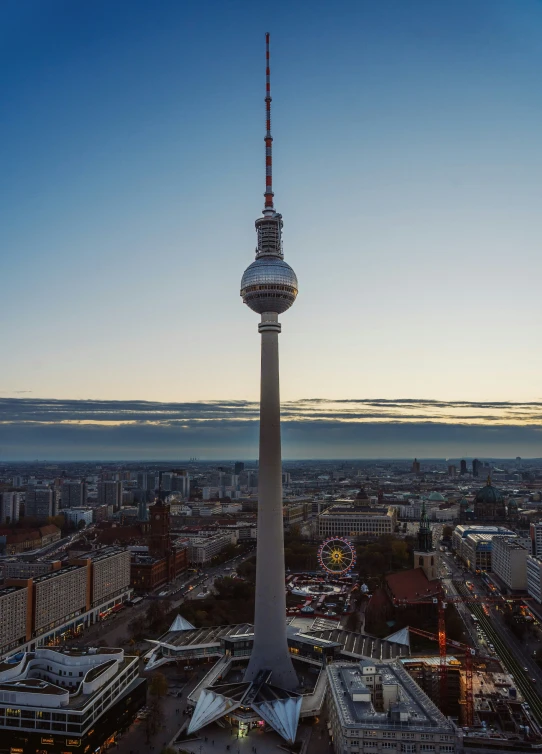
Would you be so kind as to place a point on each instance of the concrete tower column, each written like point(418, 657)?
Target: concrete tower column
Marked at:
point(270, 650)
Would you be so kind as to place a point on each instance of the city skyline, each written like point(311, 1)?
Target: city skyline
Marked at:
point(408, 166)
point(137, 430)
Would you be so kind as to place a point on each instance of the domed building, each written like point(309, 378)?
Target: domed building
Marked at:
point(488, 506)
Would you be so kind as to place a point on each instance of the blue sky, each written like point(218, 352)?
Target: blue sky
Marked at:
point(407, 167)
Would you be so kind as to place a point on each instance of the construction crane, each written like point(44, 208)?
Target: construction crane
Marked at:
point(470, 653)
point(441, 602)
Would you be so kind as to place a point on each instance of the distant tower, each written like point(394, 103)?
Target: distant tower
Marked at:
point(463, 468)
point(476, 467)
point(269, 287)
point(425, 555)
point(415, 466)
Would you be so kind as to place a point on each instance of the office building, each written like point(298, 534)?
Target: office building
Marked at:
point(110, 493)
point(377, 707)
point(416, 467)
point(74, 495)
point(238, 467)
point(68, 701)
point(346, 520)
point(203, 549)
point(509, 563)
point(463, 468)
point(477, 467)
point(534, 577)
point(9, 507)
point(39, 502)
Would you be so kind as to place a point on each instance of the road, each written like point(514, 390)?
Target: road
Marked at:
point(510, 653)
point(115, 628)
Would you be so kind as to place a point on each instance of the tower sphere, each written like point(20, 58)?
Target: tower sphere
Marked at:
point(269, 285)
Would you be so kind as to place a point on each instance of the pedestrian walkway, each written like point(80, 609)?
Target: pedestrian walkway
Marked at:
point(217, 740)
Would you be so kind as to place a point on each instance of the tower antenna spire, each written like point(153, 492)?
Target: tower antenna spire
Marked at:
point(268, 207)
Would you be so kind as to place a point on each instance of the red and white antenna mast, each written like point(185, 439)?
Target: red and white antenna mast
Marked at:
point(268, 207)
point(269, 226)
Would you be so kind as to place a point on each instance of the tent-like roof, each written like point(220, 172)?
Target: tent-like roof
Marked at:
point(181, 624)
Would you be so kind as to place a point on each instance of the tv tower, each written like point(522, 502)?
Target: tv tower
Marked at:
point(269, 287)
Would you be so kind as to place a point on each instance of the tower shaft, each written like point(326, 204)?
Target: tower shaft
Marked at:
point(270, 651)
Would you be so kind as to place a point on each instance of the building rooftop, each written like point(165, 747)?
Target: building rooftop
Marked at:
point(412, 585)
point(413, 709)
point(360, 645)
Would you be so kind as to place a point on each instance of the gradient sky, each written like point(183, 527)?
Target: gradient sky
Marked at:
point(408, 169)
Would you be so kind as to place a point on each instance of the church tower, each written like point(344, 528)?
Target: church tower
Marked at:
point(425, 555)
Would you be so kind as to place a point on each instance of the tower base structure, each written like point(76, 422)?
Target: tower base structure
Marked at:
point(277, 707)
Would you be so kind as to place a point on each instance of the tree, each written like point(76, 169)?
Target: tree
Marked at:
point(155, 614)
point(158, 686)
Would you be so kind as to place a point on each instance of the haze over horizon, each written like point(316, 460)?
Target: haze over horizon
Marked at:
point(407, 166)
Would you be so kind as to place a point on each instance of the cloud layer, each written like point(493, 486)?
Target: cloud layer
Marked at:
point(312, 428)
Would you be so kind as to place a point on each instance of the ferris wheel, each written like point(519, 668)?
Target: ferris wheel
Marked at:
point(337, 556)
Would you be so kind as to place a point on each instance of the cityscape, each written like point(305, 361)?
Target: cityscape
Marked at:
point(260, 570)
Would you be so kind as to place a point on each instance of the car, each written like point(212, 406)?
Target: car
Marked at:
point(526, 670)
point(534, 680)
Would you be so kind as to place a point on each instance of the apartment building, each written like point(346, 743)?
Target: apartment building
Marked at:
point(66, 601)
point(110, 493)
point(14, 617)
point(10, 503)
point(110, 573)
point(39, 502)
point(74, 494)
point(341, 520)
point(58, 597)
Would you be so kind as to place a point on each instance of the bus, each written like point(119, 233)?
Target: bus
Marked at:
point(474, 619)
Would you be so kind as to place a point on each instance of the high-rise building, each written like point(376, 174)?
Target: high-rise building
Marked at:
point(39, 502)
point(463, 468)
point(268, 287)
point(452, 470)
point(9, 507)
point(509, 562)
point(416, 466)
point(74, 494)
point(238, 468)
point(110, 493)
point(477, 467)
point(536, 539)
